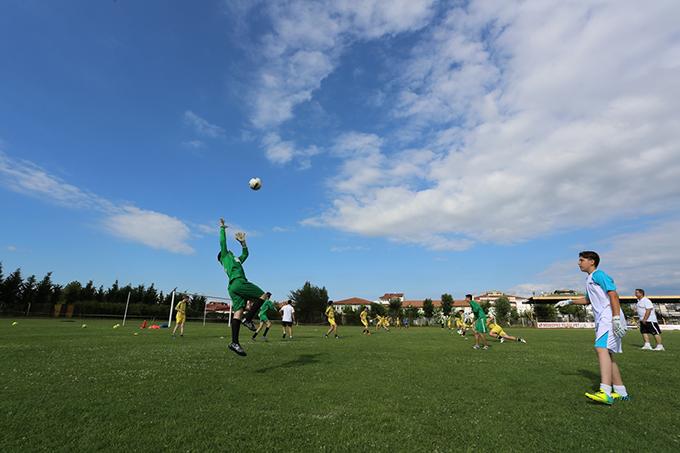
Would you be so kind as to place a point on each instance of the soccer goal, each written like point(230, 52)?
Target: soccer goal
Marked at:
point(213, 304)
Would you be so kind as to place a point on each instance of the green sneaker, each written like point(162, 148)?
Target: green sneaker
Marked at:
point(617, 397)
point(601, 397)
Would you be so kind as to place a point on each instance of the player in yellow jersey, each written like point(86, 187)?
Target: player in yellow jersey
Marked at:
point(181, 316)
point(330, 315)
point(496, 331)
point(364, 321)
point(461, 327)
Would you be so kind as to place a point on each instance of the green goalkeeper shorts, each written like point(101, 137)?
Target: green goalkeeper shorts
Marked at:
point(241, 291)
point(480, 326)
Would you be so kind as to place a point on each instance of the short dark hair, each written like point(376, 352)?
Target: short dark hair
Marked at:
point(641, 290)
point(590, 255)
point(468, 296)
point(330, 302)
point(219, 257)
point(268, 294)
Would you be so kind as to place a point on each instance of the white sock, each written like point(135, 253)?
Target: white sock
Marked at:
point(647, 344)
point(621, 390)
point(606, 389)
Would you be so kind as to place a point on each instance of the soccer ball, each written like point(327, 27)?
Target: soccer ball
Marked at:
point(116, 326)
point(255, 183)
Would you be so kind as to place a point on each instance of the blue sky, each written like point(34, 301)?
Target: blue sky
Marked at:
point(409, 146)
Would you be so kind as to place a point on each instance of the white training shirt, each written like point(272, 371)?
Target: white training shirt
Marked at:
point(642, 306)
point(288, 311)
point(597, 285)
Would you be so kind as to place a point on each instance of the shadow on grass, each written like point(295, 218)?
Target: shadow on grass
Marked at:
point(302, 360)
point(589, 374)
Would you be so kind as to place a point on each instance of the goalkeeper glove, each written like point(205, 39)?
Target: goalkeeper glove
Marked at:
point(619, 328)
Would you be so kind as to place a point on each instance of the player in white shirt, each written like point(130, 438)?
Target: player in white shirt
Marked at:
point(610, 327)
point(648, 322)
point(287, 319)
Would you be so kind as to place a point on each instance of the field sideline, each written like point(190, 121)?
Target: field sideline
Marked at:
point(71, 389)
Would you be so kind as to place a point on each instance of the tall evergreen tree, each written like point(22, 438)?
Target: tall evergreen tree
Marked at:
point(12, 289)
point(310, 302)
point(150, 295)
point(28, 291)
point(395, 307)
point(88, 292)
point(72, 292)
point(44, 289)
point(428, 308)
point(447, 303)
point(113, 292)
point(502, 309)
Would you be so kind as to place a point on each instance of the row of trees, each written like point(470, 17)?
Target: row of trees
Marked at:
point(19, 294)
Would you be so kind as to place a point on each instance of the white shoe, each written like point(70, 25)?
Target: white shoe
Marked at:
point(647, 347)
point(659, 347)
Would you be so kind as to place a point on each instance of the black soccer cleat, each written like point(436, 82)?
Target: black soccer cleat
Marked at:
point(249, 325)
point(237, 349)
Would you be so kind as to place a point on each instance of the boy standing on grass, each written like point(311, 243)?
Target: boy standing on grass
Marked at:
point(610, 327)
point(287, 319)
point(181, 316)
point(480, 323)
point(240, 289)
point(264, 320)
point(649, 325)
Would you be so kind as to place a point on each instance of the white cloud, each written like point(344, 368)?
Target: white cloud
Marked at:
point(147, 227)
point(11, 248)
point(280, 151)
point(150, 228)
point(201, 126)
point(304, 46)
point(649, 259)
point(27, 178)
point(279, 229)
point(308, 38)
point(531, 117)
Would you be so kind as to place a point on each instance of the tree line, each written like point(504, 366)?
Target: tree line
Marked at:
point(21, 295)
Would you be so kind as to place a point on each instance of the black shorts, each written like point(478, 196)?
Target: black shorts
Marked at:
point(650, 328)
point(287, 323)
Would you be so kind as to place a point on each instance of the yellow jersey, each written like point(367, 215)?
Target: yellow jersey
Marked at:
point(181, 307)
point(330, 313)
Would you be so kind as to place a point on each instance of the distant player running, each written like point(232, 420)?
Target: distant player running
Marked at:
point(264, 319)
point(181, 316)
point(330, 315)
point(480, 323)
point(240, 289)
point(497, 331)
point(610, 327)
point(364, 321)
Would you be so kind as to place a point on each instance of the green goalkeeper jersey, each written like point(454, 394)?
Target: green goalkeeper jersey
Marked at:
point(266, 305)
point(232, 265)
point(477, 310)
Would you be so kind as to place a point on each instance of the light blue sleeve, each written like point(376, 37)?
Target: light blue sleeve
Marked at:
point(604, 281)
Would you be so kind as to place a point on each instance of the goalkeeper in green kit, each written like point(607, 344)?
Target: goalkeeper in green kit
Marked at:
point(240, 289)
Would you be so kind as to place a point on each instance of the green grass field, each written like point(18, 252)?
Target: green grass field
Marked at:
point(65, 388)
